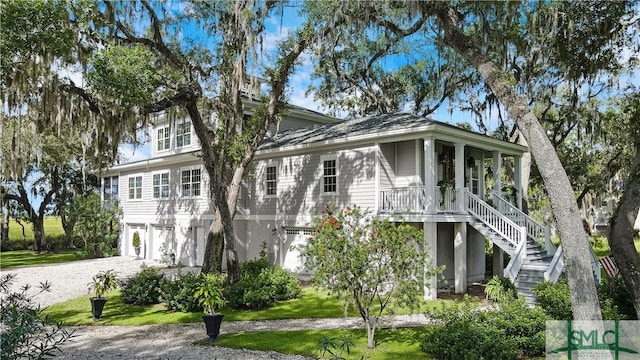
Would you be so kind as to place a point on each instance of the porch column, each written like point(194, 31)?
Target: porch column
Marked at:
point(460, 163)
point(481, 178)
point(431, 249)
point(377, 180)
point(497, 172)
point(460, 257)
point(498, 260)
point(430, 175)
point(517, 174)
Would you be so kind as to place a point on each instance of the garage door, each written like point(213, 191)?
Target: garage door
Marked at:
point(294, 240)
point(161, 240)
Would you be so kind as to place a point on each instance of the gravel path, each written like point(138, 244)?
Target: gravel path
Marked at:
point(174, 341)
point(69, 280)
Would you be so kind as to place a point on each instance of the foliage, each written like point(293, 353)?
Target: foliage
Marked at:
point(19, 241)
point(500, 289)
point(102, 282)
point(511, 331)
point(614, 298)
point(136, 240)
point(261, 285)
point(97, 226)
point(613, 289)
point(26, 332)
point(335, 347)
point(366, 261)
point(210, 294)
point(178, 294)
point(143, 288)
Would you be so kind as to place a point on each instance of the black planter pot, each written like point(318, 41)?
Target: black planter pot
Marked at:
point(97, 305)
point(212, 322)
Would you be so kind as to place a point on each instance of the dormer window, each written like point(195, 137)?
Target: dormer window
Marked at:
point(183, 134)
point(164, 139)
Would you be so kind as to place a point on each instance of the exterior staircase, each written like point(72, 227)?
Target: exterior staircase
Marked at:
point(533, 257)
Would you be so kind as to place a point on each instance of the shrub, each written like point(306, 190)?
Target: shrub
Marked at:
point(261, 285)
point(500, 289)
point(510, 332)
point(144, 288)
point(554, 299)
point(615, 301)
point(614, 291)
point(26, 334)
point(178, 294)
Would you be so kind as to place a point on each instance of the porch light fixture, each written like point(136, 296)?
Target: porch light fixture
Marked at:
point(273, 231)
point(471, 161)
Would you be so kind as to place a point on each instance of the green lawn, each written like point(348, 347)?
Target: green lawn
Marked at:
point(403, 343)
point(52, 228)
point(20, 258)
point(314, 303)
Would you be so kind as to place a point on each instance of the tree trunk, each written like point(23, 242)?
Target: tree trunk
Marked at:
point(621, 233)
point(371, 332)
point(38, 232)
point(214, 248)
point(574, 241)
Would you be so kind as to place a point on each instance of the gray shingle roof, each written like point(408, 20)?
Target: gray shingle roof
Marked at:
point(355, 127)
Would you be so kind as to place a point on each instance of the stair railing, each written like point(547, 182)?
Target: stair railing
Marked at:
point(535, 231)
point(491, 217)
point(518, 258)
point(556, 266)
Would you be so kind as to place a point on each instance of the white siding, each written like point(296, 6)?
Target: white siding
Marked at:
point(300, 183)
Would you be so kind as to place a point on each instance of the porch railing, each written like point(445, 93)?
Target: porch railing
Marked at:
point(406, 199)
point(412, 199)
point(535, 231)
point(499, 223)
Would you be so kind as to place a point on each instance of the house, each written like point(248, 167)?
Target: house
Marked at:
point(398, 166)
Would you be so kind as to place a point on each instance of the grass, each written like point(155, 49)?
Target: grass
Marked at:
point(21, 258)
point(314, 303)
point(401, 343)
point(600, 246)
point(52, 228)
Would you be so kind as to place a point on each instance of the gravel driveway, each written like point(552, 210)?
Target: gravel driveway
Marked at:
point(69, 280)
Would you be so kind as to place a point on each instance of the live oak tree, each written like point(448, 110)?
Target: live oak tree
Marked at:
point(621, 233)
point(143, 58)
point(579, 40)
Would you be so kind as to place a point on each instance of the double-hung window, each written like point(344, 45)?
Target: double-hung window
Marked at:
point(110, 188)
point(135, 187)
point(191, 180)
point(164, 138)
point(161, 185)
point(329, 175)
point(271, 180)
point(183, 134)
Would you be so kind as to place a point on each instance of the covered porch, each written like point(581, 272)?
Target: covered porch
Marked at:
point(430, 175)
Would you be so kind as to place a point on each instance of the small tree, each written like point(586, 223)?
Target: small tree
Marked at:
point(368, 262)
point(27, 333)
point(97, 226)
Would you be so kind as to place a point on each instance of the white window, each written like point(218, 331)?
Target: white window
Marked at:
point(164, 138)
point(183, 134)
point(329, 175)
point(161, 185)
point(191, 180)
point(135, 187)
point(271, 180)
point(110, 189)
